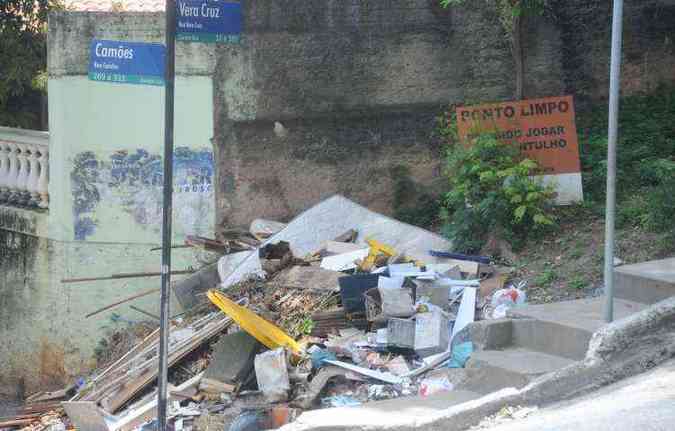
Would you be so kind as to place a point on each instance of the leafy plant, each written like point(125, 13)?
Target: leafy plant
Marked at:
point(578, 283)
point(546, 277)
point(492, 192)
point(645, 160)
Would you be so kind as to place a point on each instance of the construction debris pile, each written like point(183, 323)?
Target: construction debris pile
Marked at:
point(340, 307)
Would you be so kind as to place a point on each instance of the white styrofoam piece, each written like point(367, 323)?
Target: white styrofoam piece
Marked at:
point(467, 311)
point(344, 261)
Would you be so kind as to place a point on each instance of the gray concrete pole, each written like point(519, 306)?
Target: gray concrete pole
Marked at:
point(610, 210)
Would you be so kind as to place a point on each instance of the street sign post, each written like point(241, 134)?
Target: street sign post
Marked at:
point(162, 395)
point(208, 21)
point(127, 62)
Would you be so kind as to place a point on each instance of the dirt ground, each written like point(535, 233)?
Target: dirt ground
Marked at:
point(568, 264)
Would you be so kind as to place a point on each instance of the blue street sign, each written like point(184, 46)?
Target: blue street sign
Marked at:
point(209, 21)
point(127, 62)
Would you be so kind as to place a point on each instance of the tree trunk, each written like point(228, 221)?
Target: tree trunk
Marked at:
point(517, 52)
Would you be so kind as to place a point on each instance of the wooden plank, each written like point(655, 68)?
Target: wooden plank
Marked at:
point(14, 423)
point(113, 402)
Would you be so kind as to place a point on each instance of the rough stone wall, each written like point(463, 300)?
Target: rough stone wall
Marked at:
point(357, 86)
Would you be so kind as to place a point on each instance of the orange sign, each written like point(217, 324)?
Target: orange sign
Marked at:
point(543, 128)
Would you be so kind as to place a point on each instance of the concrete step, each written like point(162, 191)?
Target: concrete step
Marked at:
point(519, 360)
point(381, 413)
point(646, 282)
point(584, 314)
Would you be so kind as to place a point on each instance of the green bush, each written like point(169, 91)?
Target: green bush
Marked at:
point(646, 135)
point(645, 160)
point(492, 192)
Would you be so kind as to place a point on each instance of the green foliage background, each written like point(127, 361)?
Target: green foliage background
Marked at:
point(23, 61)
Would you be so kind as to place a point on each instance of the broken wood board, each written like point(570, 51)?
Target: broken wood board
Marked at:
point(309, 278)
point(124, 379)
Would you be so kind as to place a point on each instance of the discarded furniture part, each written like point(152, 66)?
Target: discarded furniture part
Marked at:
point(190, 290)
point(377, 375)
point(271, 371)
point(308, 278)
point(232, 358)
point(431, 333)
point(467, 311)
point(401, 334)
point(267, 333)
point(136, 370)
point(326, 221)
point(262, 228)
point(352, 290)
point(460, 256)
point(344, 261)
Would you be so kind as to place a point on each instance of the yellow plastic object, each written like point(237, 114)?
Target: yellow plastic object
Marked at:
point(267, 333)
point(376, 248)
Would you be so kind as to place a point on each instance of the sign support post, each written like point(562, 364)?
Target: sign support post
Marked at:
point(610, 207)
point(169, 71)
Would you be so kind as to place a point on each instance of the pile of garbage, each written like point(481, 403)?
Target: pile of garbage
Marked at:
point(340, 307)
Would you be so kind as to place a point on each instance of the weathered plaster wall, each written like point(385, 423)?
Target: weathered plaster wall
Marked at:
point(45, 338)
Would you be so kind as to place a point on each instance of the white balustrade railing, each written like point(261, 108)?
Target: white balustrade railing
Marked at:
point(24, 168)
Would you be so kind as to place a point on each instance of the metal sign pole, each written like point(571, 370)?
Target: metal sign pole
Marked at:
point(610, 210)
point(169, 74)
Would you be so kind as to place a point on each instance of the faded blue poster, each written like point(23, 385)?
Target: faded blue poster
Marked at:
point(132, 182)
